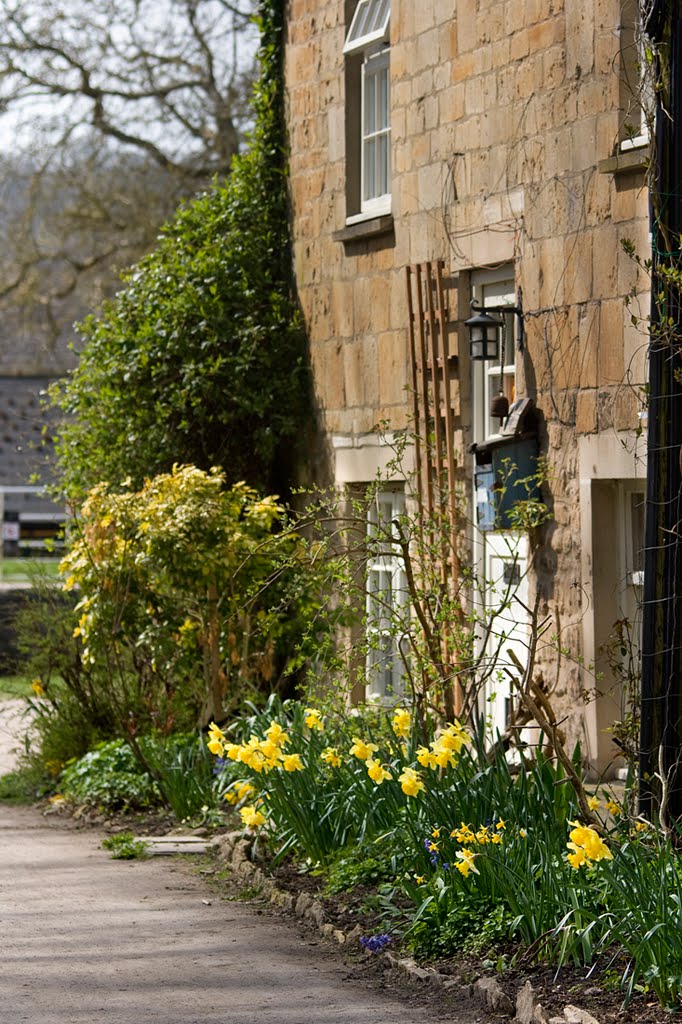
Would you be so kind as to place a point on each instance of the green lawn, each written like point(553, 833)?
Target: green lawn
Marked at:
point(15, 686)
point(19, 570)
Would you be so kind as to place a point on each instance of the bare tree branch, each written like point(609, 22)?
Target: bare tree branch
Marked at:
point(116, 111)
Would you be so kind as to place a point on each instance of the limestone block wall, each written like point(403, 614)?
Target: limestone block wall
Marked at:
point(506, 117)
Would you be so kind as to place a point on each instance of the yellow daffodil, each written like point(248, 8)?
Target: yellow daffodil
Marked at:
point(331, 756)
point(420, 879)
point(276, 734)
point(410, 782)
point(377, 772)
point(613, 808)
point(292, 763)
point(252, 817)
point(435, 833)
point(463, 835)
point(501, 825)
point(466, 862)
point(238, 791)
point(444, 757)
point(313, 719)
point(426, 758)
point(577, 858)
point(594, 803)
point(362, 750)
point(401, 723)
point(587, 841)
point(37, 687)
point(454, 737)
point(270, 750)
point(216, 747)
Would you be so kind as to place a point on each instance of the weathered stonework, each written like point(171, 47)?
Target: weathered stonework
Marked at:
point(501, 114)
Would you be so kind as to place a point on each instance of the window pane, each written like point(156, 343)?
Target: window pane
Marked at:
point(376, 131)
point(382, 98)
point(369, 24)
point(382, 165)
point(370, 104)
point(370, 191)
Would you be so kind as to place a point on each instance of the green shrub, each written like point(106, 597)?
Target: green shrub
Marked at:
point(110, 777)
point(172, 770)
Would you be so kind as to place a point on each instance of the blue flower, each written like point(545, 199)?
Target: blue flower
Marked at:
point(218, 765)
point(432, 850)
point(375, 943)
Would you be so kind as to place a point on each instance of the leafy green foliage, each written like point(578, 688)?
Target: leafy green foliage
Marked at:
point(110, 777)
point(124, 846)
point(200, 358)
point(25, 785)
point(185, 772)
point(360, 865)
point(185, 579)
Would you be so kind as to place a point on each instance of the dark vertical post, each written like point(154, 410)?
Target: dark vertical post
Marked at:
point(661, 712)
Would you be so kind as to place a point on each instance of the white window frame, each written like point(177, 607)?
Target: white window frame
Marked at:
point(368, 38)
point(375, 183)
point(494, 289)
point(369, 25)
point(643, 99)
point(385, 672)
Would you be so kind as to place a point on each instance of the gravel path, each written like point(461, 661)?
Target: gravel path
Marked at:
point(86, 938)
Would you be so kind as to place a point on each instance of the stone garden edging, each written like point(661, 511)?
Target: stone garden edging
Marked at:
point(233, 850)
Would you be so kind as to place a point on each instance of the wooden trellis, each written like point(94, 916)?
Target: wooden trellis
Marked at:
point(434, 363)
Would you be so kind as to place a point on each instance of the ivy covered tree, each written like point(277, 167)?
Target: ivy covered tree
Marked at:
point(200, 358)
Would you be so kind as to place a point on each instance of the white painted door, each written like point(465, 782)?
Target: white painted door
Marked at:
point(505, 621)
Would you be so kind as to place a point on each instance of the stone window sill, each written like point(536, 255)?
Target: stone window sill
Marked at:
point(628, 161)
point(370, 228)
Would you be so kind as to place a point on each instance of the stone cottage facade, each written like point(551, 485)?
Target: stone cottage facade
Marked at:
point(498, 146)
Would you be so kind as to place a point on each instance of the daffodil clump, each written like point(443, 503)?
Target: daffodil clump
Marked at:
point(585, 846)
point(445, 749)
point(261, 755)
point(463, 838)
point(351, 766)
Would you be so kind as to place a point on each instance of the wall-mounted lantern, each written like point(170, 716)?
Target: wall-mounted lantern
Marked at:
point(484, 330)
